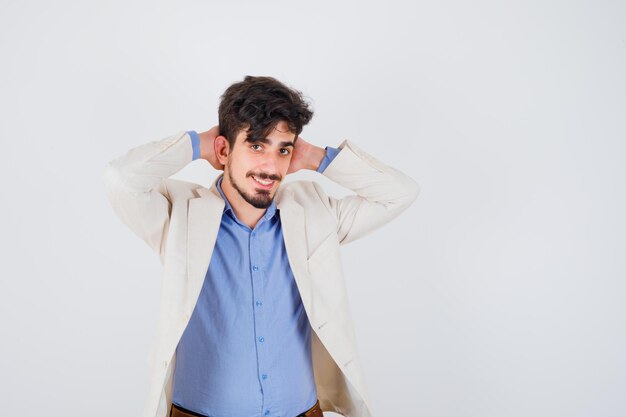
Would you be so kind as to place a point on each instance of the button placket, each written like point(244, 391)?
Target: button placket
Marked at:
point(257, 282)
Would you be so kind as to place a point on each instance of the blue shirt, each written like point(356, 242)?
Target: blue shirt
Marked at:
point(246, 351)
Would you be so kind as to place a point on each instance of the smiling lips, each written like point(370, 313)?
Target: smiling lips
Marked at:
point(264, 184)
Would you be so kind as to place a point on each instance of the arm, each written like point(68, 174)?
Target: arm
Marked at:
point(331, 153)
point(136, 188)
point(382, 192)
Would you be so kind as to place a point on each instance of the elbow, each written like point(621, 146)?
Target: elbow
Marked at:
point(110, 176)
point(412, 190)
point(405, 195)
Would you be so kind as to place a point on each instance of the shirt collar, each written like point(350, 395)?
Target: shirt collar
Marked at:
point(269, 212)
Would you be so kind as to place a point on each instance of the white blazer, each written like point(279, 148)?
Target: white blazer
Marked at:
point(179, 220)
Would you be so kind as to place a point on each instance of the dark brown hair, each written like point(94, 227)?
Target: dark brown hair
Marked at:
point(258, 104)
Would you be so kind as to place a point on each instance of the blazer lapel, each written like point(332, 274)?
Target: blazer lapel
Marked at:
point(294, 233)
point(203, 223)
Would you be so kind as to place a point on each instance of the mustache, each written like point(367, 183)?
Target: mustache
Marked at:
point(264, 176)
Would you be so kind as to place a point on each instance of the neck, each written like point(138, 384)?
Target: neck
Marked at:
point(245, 212)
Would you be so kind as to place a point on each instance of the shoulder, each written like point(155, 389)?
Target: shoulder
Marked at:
point(310, 196)
point(181, 190)
point(302, 192)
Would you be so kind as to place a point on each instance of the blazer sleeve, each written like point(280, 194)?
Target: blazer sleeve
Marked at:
point(382, 192)
point(136, 188)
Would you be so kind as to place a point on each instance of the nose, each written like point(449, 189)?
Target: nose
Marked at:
point(270, 164)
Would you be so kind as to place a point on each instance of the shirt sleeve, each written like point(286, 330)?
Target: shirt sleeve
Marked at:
point(195, 143)
point(331, 153)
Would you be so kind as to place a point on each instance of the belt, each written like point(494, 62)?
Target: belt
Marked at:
point(178, 411)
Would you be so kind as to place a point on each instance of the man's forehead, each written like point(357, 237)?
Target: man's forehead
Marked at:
point(283, 138)
point(270, 141)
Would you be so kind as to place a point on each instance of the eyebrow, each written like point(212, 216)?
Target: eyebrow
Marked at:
point(267, 141)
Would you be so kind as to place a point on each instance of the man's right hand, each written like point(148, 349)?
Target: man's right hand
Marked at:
point(206, 147)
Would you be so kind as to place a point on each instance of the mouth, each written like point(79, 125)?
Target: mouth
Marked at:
point(265, 184)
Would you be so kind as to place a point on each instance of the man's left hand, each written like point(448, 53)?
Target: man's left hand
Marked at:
point(305, 156)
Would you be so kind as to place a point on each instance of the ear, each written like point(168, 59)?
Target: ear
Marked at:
point(222, 149)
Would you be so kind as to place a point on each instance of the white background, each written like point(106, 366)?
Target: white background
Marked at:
point(500, 292)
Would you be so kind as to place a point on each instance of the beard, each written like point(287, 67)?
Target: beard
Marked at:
point(261, 200)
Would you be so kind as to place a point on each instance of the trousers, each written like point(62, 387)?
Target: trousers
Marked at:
point(177, 411)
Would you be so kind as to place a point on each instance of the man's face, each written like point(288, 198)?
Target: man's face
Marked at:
point(256, 169)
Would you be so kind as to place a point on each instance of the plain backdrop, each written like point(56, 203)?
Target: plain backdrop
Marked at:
point(500, 292)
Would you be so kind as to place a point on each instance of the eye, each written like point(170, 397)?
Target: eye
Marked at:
point(256, 147)
point(285, 151)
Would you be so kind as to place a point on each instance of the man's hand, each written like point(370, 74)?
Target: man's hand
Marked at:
point(207, 151)
point(305, 156)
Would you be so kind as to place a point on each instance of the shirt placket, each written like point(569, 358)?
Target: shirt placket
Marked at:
point(257, 269)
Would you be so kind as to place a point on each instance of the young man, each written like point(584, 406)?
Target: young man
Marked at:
point(254, 317)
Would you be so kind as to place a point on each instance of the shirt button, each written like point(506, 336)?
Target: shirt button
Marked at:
point(255, 268)
point(267, 412)
point(259, 303)
point(261, 339)
point(264, 376)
